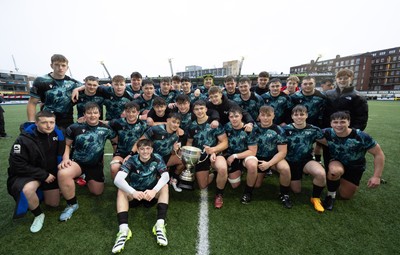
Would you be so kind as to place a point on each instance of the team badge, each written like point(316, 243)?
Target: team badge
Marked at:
point(17, 148)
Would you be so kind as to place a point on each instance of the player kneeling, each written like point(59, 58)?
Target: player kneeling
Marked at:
point(148, 178)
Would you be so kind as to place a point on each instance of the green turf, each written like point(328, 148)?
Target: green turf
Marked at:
point(368, 224)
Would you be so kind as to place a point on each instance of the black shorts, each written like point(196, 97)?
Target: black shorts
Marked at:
point(264, 159)
point(135, 203)
point(237, 164)
point(296, 168)
point(166, 158)
point(203, 166)
point(93, 172)
point(20, 182)
point(353, 173)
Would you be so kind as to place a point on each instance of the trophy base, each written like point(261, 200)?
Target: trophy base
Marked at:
point(188, 185)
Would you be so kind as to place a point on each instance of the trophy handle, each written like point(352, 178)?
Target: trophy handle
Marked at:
point(200, 161)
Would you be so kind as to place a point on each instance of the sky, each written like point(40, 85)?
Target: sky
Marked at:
point(142, 35)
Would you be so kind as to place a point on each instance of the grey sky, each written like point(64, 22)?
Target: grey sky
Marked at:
point(142, 35)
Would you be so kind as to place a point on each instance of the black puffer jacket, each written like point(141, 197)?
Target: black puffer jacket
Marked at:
point(347, 100)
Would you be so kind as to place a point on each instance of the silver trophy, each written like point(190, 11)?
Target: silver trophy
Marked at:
point(190, 156)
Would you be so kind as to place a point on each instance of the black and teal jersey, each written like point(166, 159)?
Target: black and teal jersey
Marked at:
point(114, 104)
point(169, 98)
point(88, 142)
point(83, 99)
point(252, 105)
point(144, 175)
point(301, 141)
point(232, 96)
point(349, 150)
point(315, 105)
point(193, 98)
point(238, 139)
point(203, 134)
point(268, 140)
point(132, 92)
point(127, 133)
point(145, 104)
point(55, 94)
point(281, 105)
point(163, 141)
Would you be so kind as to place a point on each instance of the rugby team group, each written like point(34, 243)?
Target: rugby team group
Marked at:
point(243, 131)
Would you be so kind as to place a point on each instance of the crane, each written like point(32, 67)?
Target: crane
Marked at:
point(105, 68)
point(240, 66)
point(170, 66)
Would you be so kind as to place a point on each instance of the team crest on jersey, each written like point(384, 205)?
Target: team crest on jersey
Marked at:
point(101, 132)
point(51, 86)
point(307, 132)
point(55, 138)
point(348, 98)
point(17, 148)
point(83, 130)
point(152, 168)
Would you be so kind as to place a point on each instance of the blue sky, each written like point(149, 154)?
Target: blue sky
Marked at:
point(142, 35)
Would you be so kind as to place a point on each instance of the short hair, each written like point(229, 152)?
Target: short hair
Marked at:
point(299, 108)
point(175, 115)
point(91, 105)
point(293, 78)
point(44, 113)
point(58, 58)
point(147, 82)
point(263, 74)
point(327, 80)
point(341, 115)
point(91, 78)
point(144, 142)
point(266, 109)
point(308, 78)
point(229, 78)
point(132, 105)
point(118, 78)
point(274, 80)
point(159, 101)
point(245, 79)
point(185, 79)
point(136, 75)
point(236, 109)
point(176, 78)
point(214, 90)
point(344, 72)
point(166, 79)
point(181, 98)
point(200, 102)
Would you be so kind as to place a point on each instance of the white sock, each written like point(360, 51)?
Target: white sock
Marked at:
point(123, 227)
point(332, 194)
point(160, 222)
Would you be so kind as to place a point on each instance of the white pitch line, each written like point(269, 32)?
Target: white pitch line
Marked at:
point(203, 243)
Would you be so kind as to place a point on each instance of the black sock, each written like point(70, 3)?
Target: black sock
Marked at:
point(175, 175)
point(284, 189)
point(122, 218)
point(248, 189)
point(162, 211)
point(219, 191)
point(317, 190)
point(37, 211)
point(332, 186)
point(72, 201)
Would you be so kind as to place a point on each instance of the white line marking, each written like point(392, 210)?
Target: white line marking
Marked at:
point(203, 244)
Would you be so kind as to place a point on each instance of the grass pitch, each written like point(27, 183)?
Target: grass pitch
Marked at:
point(367, 224)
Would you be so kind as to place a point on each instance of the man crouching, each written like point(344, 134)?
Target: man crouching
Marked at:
point(143, 187)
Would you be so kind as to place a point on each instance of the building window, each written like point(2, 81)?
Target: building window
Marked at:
point(394, 58)
point(341, 63)
point(356, 68)
point(382, 60)
point(392, 51)
point(357, 61)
